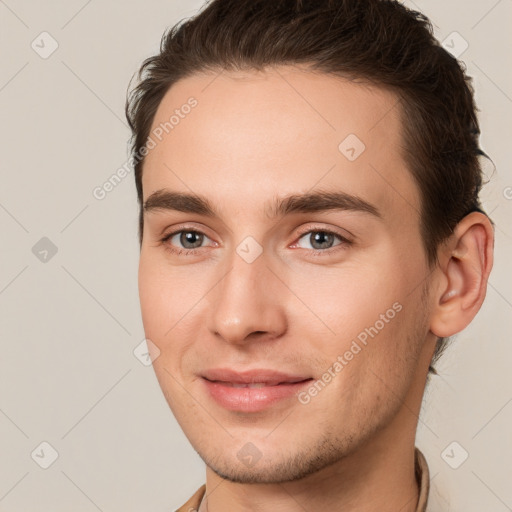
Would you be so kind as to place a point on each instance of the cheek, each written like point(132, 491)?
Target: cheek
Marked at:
point(165, 293)
point(346, 299)
point(150, 295)
point(161, 304)
point(169, 298)
point(365, 309)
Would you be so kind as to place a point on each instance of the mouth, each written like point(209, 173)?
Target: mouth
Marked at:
point(255, 376)
point(257, 385)
point(251, 391)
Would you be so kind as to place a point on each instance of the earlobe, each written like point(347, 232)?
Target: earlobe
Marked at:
point(465, 264)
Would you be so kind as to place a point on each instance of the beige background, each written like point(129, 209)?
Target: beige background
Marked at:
point(69, 325)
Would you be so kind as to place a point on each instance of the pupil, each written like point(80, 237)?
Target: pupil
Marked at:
point(321, 240)
point(188, 237)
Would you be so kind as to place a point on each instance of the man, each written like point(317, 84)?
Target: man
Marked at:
point(310, 236)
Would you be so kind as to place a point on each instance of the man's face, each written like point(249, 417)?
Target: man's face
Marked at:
point(292, 291)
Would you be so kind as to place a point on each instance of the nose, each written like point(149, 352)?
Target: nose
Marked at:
point(248, 303)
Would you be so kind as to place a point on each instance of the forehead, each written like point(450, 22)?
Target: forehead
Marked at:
point(254, 134)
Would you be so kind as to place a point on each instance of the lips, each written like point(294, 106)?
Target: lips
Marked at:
point(253, 390)
point(253, 385)
point(252, 378)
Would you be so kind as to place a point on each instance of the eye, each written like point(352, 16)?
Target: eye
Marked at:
point(321, 240)
point(184, 241)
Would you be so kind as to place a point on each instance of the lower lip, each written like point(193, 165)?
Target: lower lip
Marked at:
point(251, 399)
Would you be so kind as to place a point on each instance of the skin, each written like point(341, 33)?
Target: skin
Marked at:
point(253, 137)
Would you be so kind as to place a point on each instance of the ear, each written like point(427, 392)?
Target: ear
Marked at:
point(465, 262)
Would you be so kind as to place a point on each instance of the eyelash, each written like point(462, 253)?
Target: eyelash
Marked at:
point(344, 242)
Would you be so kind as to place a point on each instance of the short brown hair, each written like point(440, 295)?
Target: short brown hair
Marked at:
point(377, 40)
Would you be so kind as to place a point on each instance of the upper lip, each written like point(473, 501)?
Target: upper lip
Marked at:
point(265, 376)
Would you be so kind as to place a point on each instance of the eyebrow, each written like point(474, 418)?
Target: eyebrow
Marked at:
point(309, 202)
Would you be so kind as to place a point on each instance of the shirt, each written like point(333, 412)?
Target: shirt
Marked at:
point(422, 477)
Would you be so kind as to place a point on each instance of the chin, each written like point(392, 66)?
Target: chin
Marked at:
point(279, 468)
